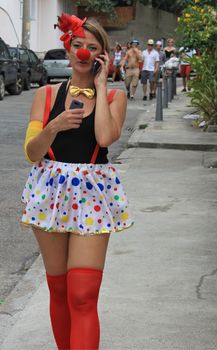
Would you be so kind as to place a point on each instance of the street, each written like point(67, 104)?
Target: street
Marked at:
point(18, 248)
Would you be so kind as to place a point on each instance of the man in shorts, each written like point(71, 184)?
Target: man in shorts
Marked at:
point(185, 68)
point(131, 62)
point(150, 68)
point(162, 56)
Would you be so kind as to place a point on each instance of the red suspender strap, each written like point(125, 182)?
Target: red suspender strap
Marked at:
point(46, 116)
point(96, 150)
point(47, 105)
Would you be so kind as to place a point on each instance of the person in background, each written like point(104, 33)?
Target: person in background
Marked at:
point(131, 63)
point(185, 68)
point(150, 68)
point(170, 49)
point(162, 57)
point(117, 61)
point(73, 196)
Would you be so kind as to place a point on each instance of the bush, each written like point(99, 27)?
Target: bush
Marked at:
point(198, 27)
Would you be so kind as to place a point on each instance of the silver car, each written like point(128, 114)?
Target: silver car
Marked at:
point(57, 64)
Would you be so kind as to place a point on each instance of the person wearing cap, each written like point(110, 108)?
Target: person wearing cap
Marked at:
point(162, 56)
point(131, 63)
point(150, 68)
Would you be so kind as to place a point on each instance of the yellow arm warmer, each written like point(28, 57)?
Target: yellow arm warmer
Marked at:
point(34, 128)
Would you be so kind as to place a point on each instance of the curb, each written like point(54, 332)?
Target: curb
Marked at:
point(184, 147)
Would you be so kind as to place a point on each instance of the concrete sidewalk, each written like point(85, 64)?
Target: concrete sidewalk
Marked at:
point(160, 289)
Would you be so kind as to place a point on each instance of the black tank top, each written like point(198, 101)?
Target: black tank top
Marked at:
point(75, 145)
point(169, 53)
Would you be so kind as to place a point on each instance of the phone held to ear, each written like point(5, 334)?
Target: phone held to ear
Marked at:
point(96, 67)
point(76, 104)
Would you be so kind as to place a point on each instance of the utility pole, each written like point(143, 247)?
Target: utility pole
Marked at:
point(26, 23)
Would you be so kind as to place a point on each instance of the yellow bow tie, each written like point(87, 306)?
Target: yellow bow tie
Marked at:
point(75, 91)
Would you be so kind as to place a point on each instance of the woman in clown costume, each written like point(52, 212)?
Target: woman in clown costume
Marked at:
point(73, 196)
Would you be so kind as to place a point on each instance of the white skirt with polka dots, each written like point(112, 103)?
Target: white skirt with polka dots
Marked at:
point(79, 198)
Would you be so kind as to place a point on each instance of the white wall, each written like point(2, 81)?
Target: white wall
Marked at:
point(7, 31)
point(47, 37)
point(42, 34)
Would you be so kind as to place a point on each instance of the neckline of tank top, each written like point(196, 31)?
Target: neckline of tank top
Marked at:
point(66, 91)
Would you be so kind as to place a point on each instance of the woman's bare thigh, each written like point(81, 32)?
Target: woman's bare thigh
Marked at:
point(87, 251)
point(54, 250)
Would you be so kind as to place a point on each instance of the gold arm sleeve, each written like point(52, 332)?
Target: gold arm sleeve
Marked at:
point(34, 128)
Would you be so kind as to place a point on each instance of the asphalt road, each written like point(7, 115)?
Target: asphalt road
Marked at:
point(18, 249)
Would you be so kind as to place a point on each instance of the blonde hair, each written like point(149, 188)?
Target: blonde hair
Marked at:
point(170, 39)
point(97, 30)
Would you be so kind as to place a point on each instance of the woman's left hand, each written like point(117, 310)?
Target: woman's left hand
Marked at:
point(101, 77)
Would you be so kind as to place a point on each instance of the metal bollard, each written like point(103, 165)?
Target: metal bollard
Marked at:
point(165, 94)
point(159, 107)
point(174, 82)
point(170, 88)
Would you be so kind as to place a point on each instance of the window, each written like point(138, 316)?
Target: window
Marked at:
point(3, 50)
point(24, 57)
point(33, 57)
point(13, 52)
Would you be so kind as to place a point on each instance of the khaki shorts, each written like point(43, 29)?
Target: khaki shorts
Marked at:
point(132, 77)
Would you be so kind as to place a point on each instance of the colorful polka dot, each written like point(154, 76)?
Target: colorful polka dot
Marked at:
point(89, 221)
point(75, 181)
point(42, 216)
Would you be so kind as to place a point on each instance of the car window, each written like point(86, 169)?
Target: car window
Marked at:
point(24, 57)
point(4, 53)
point(56, 55)
point(33, 57)
point(13, 51)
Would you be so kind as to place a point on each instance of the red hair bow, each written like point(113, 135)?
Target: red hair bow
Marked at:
point(71, 26)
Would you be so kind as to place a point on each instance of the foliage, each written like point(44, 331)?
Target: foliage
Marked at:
point(204, 93)
point(198, 27)
point(104, 6)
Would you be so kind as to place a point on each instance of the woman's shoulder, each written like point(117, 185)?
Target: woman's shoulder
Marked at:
point(116, 95)
point(41, 91)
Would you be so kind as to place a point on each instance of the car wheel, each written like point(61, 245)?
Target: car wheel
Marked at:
point(27, 83)
point(43, 80)
point(2, 87)
point(16, 88)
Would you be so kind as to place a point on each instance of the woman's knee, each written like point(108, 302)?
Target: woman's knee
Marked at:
point(83, 287)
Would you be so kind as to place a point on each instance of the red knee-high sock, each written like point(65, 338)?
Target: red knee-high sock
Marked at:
point(59, 310)
point(83, 292)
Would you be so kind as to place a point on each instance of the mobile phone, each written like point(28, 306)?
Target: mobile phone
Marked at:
point(96, 67)
point(76, 104)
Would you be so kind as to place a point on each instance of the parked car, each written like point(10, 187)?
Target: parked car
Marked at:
point(31, 67)
point(10, 76)
point(57, 64)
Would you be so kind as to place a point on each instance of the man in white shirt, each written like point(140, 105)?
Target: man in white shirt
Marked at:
point(151, 61)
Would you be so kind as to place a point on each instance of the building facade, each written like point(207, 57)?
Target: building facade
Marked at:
point(43, 16)
point(136, 21)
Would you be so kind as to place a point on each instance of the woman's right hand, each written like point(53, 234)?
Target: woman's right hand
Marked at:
point(69, 119)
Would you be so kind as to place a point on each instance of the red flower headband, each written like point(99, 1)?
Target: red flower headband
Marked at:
point(71, 26)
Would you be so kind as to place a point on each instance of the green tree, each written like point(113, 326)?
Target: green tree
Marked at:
point(198, 28)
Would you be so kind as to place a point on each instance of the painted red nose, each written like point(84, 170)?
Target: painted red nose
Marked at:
point(83, 54)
